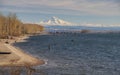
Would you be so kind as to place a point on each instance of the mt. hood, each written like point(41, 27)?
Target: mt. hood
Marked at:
point(56, 21)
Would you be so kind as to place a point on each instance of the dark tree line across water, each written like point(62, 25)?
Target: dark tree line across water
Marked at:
point(10, 25)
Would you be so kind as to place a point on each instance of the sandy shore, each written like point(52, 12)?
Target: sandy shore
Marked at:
point(17, 56)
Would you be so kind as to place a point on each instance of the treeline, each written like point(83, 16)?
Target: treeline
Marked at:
point(10, 25)
point(32, 28)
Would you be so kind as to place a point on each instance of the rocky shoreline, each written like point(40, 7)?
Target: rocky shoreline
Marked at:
point(16, 57)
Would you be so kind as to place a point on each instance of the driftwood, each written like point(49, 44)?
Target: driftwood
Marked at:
point(5, 52)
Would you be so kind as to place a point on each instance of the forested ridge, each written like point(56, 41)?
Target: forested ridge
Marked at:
point(10, 25)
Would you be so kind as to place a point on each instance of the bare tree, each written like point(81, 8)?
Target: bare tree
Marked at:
point(10, 25)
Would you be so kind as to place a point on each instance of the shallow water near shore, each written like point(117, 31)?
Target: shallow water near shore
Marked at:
point(76, 53)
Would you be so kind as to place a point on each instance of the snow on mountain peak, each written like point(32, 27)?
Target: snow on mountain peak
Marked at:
point(54, 18)
point(56, 21)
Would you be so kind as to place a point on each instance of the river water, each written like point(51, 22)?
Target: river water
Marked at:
point(76, 53)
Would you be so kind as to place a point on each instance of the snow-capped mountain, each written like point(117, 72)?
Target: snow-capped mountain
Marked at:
point(56, 21)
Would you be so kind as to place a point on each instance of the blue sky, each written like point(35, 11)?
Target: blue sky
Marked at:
point(76, 11)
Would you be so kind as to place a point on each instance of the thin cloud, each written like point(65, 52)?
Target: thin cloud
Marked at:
point(73, 7)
